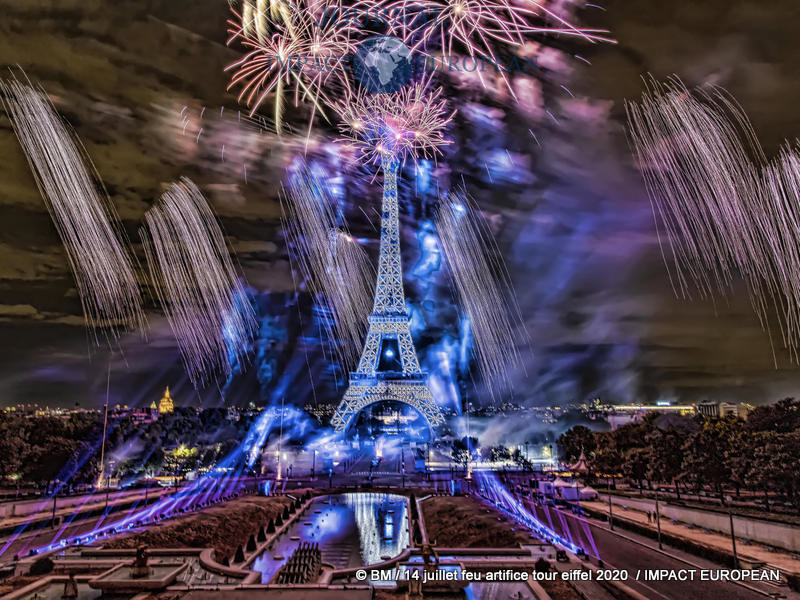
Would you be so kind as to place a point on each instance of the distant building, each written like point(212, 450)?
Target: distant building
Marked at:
point(138, 415)
point(708, 409)
point(744, 410)
point(144, 415)
point(618, 419)
point(166, 405)
point(621, 414)
point(724, 409)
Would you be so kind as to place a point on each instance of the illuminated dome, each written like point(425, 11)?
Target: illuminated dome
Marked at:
point(165, 405)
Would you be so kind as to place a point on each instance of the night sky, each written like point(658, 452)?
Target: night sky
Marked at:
point(565, 202)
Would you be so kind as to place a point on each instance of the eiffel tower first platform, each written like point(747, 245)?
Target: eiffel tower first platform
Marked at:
point(388, 369)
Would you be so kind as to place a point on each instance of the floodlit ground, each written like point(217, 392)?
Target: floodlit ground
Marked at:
point(222, 527)
point(464, 522)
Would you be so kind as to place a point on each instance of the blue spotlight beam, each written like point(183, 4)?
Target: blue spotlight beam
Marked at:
point(510, 505)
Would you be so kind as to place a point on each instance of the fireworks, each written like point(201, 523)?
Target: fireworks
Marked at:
point(257, 17)
point(479, 24)
point(724, 212)
point(410, 121)
point(336, 267)
point(81, 212)
point(483, 286)
point(196, 283)
point(305, 52)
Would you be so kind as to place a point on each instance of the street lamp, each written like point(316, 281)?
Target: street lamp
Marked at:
point(428, 461)
point(314, 465)
point(658, 521)
point(610, 511)
point(733, 540)
point(53, 520)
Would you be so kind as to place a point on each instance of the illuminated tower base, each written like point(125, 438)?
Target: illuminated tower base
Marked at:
point(389, 368)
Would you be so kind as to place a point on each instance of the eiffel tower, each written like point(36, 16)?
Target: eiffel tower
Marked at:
point(388, 369)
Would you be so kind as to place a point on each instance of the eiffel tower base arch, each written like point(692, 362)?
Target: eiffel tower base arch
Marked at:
point(362, 394)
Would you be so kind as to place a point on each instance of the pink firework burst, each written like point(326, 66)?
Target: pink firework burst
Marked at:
point(291, 46)
point(479, 24)
point(476, 27)
point(409, 122)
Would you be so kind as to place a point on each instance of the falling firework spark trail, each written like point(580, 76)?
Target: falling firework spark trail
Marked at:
point(216, 135)
point(351, 279)
point(196, 283)
point(722, 209)
point(497, 493)
point(82, 214)
point(483, 285)
point(337, 268)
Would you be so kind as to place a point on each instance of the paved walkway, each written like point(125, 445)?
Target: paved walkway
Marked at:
point(748, 551)
point(88, 503)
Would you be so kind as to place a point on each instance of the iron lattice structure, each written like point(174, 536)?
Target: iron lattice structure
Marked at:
point(389, 368)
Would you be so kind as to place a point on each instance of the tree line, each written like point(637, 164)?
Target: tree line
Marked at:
point(41, 450)
point(697, 454)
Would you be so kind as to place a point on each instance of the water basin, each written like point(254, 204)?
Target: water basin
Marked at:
point(351, 529)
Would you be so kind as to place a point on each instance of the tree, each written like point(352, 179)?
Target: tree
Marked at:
point(84, 464)
point(498, 453)
point(633, 436)
point(574, 441)
point(48, 459)
point(154, 461)
point(13, 445)
point(520, 460)
point(636, 464)
point(666, 457)
point(739, 457)
point(462, 449)
point(606, 459)
point(781, 417)
point(776, 464)
point(704, 454)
